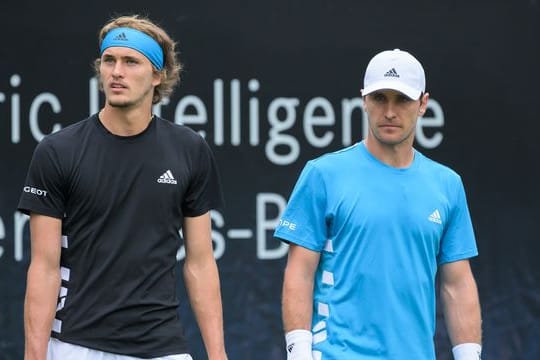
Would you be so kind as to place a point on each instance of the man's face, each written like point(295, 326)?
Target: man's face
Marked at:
point(127, 76)
point(393, 116)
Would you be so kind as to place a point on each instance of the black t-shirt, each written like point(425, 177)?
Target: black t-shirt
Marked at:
point(122, 201)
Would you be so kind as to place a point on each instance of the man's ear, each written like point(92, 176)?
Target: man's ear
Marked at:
point(364, 103)
point(158, 78)
point(423, 104)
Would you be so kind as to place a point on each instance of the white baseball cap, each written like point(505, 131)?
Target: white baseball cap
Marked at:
point(397, 70)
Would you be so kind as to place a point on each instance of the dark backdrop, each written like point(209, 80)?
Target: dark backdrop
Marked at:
point(256, 74)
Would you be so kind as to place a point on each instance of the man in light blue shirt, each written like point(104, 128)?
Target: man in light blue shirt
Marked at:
point(369, 227)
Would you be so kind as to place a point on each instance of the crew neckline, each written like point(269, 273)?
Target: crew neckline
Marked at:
point(379, 163)
point(135, 137)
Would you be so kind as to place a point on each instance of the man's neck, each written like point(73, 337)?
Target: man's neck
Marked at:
point(124, 121)
point(398, 156)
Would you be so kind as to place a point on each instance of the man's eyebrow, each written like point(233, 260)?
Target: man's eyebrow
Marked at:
point(124, 57)
point(129, 57)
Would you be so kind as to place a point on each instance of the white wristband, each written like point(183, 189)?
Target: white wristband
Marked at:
point(467, 351)
point(299, 345)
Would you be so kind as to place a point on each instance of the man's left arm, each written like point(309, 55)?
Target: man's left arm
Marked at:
point(202, 283)
point(461, 306)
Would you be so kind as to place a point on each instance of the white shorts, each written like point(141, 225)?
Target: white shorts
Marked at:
point(59, 350)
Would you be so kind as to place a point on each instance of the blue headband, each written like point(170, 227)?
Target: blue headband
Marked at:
point(136, 40)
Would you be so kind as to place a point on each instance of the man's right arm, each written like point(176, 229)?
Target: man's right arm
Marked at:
point(297, 301)
point(43, 284)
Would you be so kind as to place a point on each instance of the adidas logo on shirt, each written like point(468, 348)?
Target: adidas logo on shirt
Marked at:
point(167, 178)
point(392, 72)
point(121, 36)
point(435, 217)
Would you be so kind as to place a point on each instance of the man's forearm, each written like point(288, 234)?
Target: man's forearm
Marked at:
point(297, 310)
point(462, 313)
point(39, 310)
point(202, 283)
point(297, 305)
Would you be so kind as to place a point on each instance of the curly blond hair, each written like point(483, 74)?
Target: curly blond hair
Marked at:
point(170, 74)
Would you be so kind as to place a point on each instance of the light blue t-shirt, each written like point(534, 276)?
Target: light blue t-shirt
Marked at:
point(382, 232)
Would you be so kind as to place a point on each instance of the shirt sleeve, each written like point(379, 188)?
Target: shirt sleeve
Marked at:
point(42, 192)
point(304, 221)
point(458, 241)
point(204, 192)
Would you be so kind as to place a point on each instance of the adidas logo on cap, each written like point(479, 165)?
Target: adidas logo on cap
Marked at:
point(392, 72)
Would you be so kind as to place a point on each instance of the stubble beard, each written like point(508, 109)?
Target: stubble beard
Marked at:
point(120, 104)
point(385, 141)
point(124, 104)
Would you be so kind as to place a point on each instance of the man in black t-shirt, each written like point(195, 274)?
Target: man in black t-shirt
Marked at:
point(107, 198)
